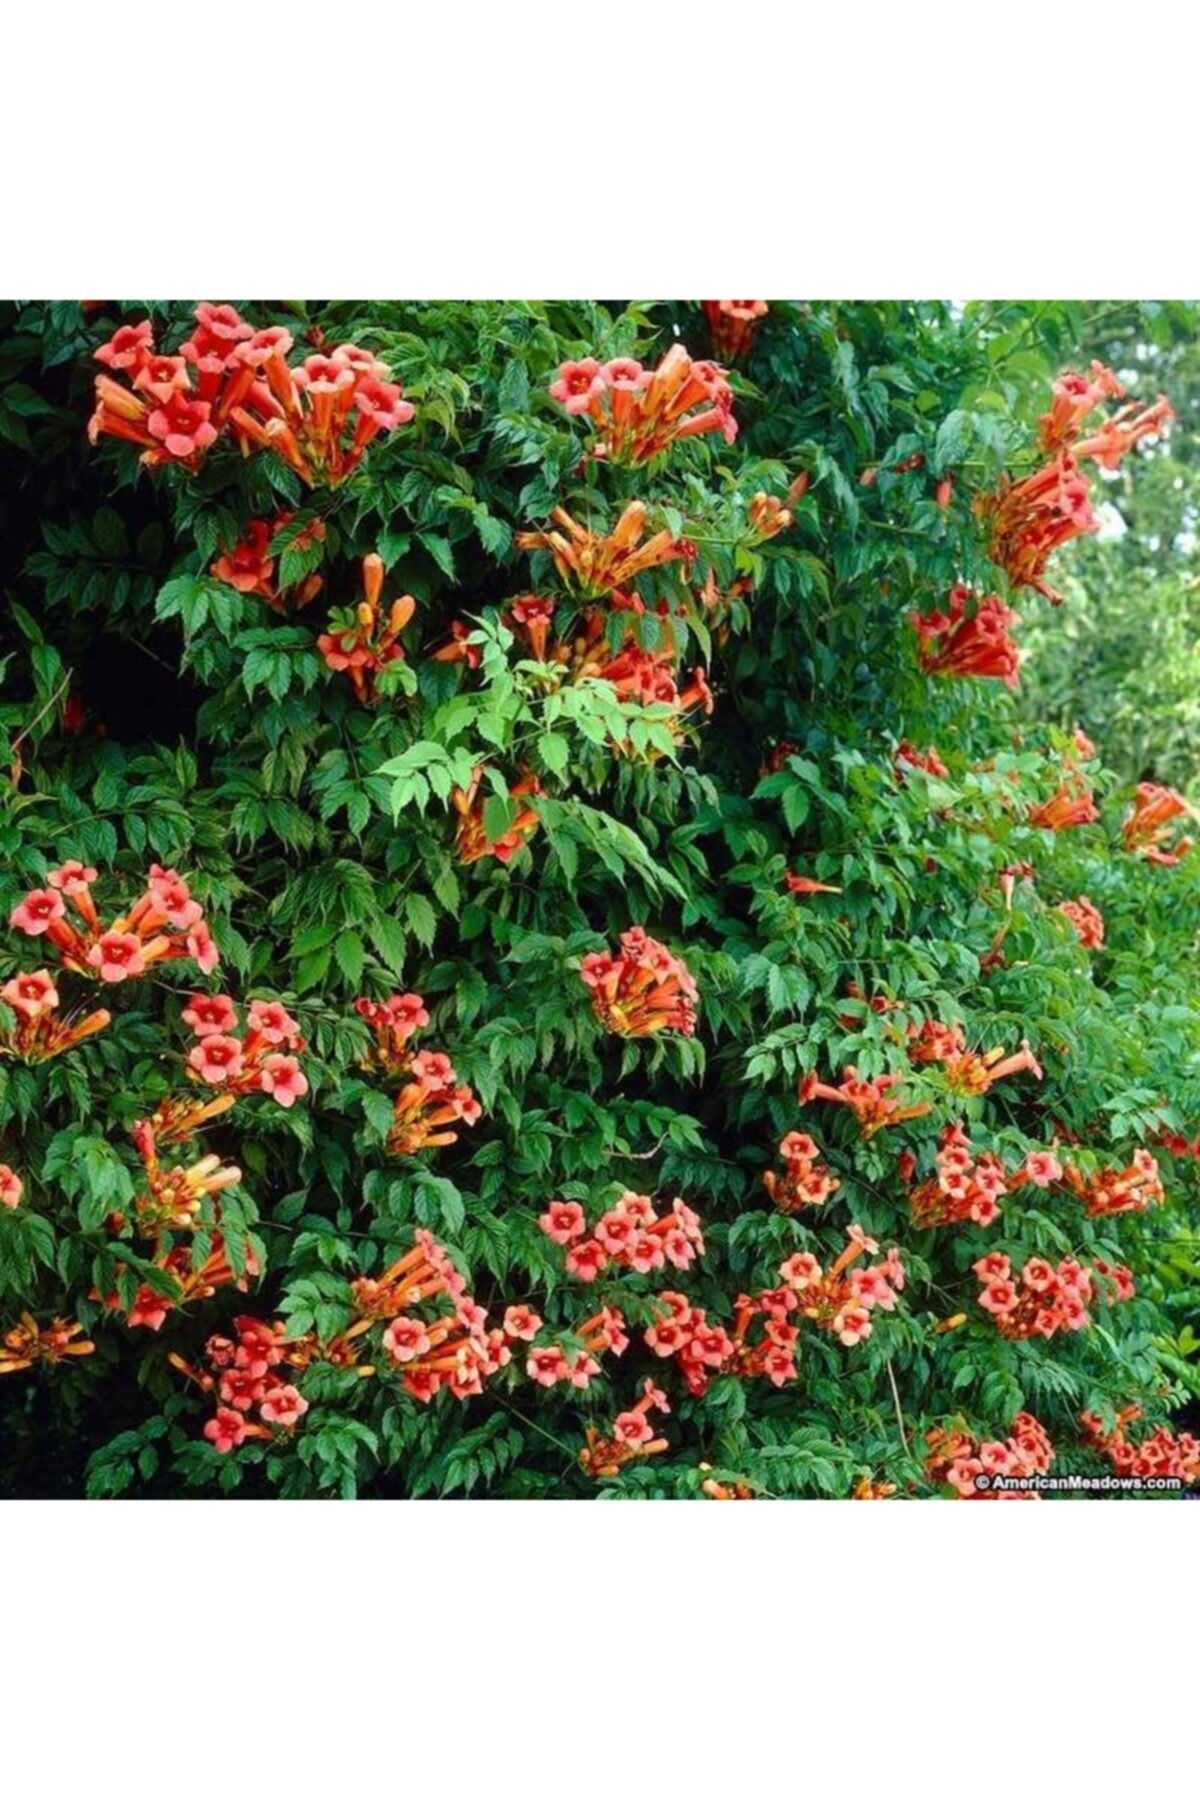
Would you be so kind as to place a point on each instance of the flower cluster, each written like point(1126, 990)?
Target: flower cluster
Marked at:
point(28, 1343)
point(454, 1349)
point(967, 1071)
point(165, 923)
point(1073, 397)
point(647, 677)
point(472, 841)
point(1109, 1192)
point(873, 1102)
point(1086, 920)
point(734, 325)
point(158, 406)
point(39, 1030)
point(592, 564)
point(763, 1338)
point(258, 1062)
point(703, 1350)
point(578, 1364)
point(249, 567)
point(630, 1438)
point(432, 1102)
point(1028, 520)
point(907, 756)
point(1044, 1300)
point(631, 1235)
point(804, 1181)
point(173, 1198)
point(364, 639)
point(1162, 1452)
point(599, 569)
point(230, 380)
point(183, 1279)
point(972, 637)
point(1129, 425)
point(636, 674)
point(767, 515)
point(1072, 803)
point(956, 1458)
point(639, 413)
point(1147, 826)
point(968, 1185)
point(393, 1021)
point(247, 1378)
point(449, 1348)
point(842, 1299)
point(642, 990)
point(429, 1105)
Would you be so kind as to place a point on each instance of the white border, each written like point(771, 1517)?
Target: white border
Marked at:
point(645, 147)
point(579, 1652)
point(634, 149)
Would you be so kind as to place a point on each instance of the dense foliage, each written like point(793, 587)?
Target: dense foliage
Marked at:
point(546, 749)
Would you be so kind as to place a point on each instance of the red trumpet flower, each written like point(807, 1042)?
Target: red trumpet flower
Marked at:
point(639, 413)
point(165, 923)
point(1161, 1453)
point(631, 1235)
point(228, 379)
point(906, 756)
point(972, 637)
point(630, 1438)
point(249, 566)
point(40, 1032)
point(174, 1197)
point(969, 1465)
point(430, 1106)
point(533, 614)
point(364, 641)
point(1044, 1300)
point(1071, 805)
point(804, 1181)
point(873, 1102)
point(1147, 826)
point(1086, 920)
point(1028, 520)
point(394, 1021)
point(967, 1071)
point(734, 325)
point(29, 1343)
point(642, 990)
point(473, 842)
point(596, 565)
point(1109, 1192)
point(967, 1187)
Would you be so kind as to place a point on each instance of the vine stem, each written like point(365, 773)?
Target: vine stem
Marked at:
point(37, 718)
point(899, 1410)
